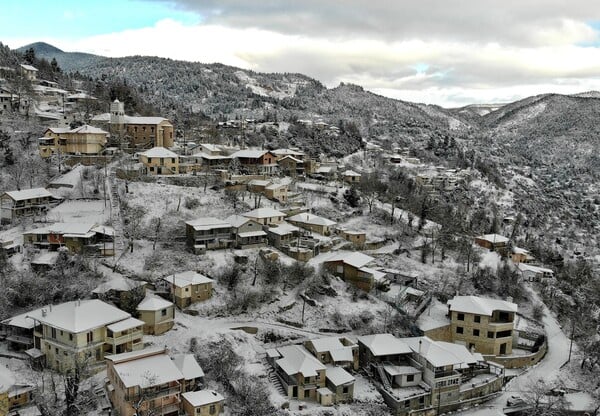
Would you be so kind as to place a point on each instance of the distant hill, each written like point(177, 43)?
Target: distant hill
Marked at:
point(68, 61)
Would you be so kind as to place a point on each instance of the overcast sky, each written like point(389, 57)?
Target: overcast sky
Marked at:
point(445, 52)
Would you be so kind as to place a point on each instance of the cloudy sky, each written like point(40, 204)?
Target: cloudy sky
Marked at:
point(446, 52)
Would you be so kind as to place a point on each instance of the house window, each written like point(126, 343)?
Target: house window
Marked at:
point(476, 332)
point(490, 334)
point(477, 319)
point(410, 377)
point(90, 337)
point(212, 409)
point(459, 329)
point(460, 316)
point(70, 337)
point(187, 289)
point(345, 390)
point(53, 333)
point(163, 312)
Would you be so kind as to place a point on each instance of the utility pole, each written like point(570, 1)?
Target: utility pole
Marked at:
point(572, 335)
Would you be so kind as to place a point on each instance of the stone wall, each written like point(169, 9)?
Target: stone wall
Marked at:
point(518, 361)
point(442, 333)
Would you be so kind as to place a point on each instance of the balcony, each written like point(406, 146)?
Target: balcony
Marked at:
point(151, 394)
point(446, 374)
point(123, 339)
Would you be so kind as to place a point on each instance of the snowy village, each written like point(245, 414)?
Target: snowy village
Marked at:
point(155, 262)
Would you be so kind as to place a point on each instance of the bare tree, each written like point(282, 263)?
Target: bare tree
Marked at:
point(133, 219)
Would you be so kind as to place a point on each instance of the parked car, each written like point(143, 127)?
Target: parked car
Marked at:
point(515, 401)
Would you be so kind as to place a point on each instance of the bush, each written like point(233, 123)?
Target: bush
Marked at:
point(191, 203)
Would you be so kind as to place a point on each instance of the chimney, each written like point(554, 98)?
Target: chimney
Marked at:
point(420, 342)
point(50, 306)
point(509, 299)
point(44, 313)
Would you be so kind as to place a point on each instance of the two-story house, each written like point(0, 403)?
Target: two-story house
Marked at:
point(80, 238)
point(77, 332)
point(493, 242)
point(260, 162)
point(353, 268)
point(160, 161)
point(189, 287)
point(483, 324)
point(157, 313)
point(338, 351)
point(208, 233)
point(203, 403)
point(442, 366)
point(265, 216)
point(246, 232)
point(15, 204)
point(312, 222)
point(299, 372)
point(145, 382)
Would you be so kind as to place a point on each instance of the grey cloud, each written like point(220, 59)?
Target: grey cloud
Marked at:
point(519, 22)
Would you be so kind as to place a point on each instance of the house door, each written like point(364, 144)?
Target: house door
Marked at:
point(295, 391)
point(502, 349)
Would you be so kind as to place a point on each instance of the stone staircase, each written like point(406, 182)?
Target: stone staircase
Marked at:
point(274, 379)
point(116, 219)
point(383, 377)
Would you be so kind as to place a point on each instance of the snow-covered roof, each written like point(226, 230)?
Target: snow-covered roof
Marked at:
point(7, 379)
point(283, 228)
point(210, 157)
point(384, 344)
point(353, 258)
point(291, 158)
point(145, 371)
point(480, 306)
point(87, 129)
point(535, 269)
point(327, 344)
point(46, 258)
point(153, 303)
point(119, 284)
point(59, 130)
point(396, 370)
point(144, 120)
point(187, 278)
point(72, 229)
point(210, 147)
point(29, 67)
point(79, 316)
point(325, 169)
point(126, 324)
point(237, 221)
point(296, 359)
point(493, 238)
point(249, 154)
point(259, 182)
point(312, 219)
point(439, 353)
point(70, 179)
point(202, 397)
point(351, 173)
point(519, 250)
point(207, 223)
point(287, 152)
point(28, 194)
point(189, 367)
point(263, 213)
point(377, 274)
point(159, 152)
point(338, 376)
point(252, 234)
